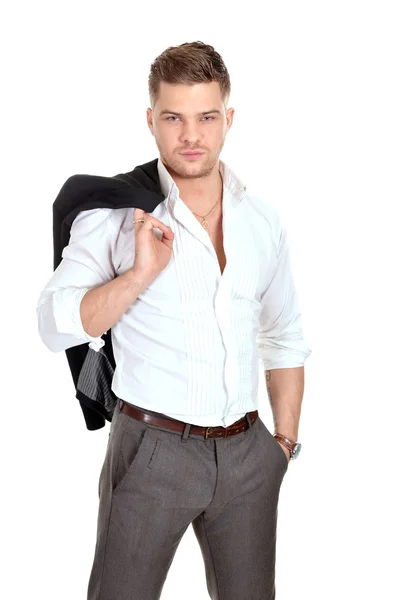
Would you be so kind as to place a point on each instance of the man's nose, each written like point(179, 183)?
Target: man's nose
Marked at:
point(190, 133)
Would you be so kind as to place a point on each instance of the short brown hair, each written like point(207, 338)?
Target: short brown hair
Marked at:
point(191, 62)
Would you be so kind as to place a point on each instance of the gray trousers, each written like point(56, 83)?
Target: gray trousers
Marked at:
point(155, 482)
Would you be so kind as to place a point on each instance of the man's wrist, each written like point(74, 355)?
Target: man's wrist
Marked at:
point(292, 446)
point(136, 280)
point(288, 443)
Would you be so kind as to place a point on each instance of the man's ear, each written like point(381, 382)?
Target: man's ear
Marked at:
point(229, 117)
point(149, 119)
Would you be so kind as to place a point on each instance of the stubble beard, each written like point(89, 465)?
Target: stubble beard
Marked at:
point(192, 170)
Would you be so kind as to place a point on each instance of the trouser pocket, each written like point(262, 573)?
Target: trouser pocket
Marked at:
point(274, 446)
point(137, 446)
point(131, 446)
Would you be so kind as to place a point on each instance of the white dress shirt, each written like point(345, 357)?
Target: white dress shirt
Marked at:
point(191, 344)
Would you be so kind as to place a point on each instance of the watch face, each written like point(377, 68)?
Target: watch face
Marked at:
point(296, 450)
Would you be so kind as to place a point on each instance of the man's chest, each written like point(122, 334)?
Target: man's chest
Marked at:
point(234, 248)
point(215, 233)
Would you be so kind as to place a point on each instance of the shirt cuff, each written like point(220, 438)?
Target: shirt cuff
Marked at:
point(284, 358)
point(66, 310)
point(288, 362)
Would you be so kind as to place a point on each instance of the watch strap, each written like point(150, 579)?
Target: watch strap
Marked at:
point(285, 441)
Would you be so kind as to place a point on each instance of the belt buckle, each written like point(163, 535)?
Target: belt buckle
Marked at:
point(207, 431)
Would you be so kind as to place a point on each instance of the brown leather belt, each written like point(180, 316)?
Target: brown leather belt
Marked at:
point(175, 425)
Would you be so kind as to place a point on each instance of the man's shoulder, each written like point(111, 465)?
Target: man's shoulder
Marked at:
point(263, 207)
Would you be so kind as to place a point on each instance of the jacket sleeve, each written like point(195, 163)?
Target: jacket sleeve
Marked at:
point(280, 338)
point(86, 263)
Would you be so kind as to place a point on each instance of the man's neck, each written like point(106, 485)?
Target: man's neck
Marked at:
point(201, 194)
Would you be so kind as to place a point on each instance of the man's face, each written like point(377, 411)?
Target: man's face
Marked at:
point(178, 125)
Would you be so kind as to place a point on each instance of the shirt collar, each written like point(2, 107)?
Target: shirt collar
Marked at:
point(230, 180)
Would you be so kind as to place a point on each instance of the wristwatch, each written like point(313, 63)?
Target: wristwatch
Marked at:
point(293, 447)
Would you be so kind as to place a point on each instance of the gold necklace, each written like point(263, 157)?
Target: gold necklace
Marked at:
point(204, 222)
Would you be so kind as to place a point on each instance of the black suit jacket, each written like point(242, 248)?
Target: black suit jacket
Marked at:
point(92, 371)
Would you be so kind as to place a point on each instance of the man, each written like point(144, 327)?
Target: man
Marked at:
point(194, 292)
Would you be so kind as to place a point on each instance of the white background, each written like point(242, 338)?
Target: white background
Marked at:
point(315, 88)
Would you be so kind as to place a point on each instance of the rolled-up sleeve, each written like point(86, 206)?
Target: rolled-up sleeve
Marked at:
point(86, 263)
point(280, 339)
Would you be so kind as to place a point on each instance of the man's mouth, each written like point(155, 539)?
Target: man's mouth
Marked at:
point(192, 155)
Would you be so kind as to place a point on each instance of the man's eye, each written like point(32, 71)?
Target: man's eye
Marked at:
point(206, 117)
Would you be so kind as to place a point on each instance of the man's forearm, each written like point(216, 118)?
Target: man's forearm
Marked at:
point(103, 306)
point(285, 388)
